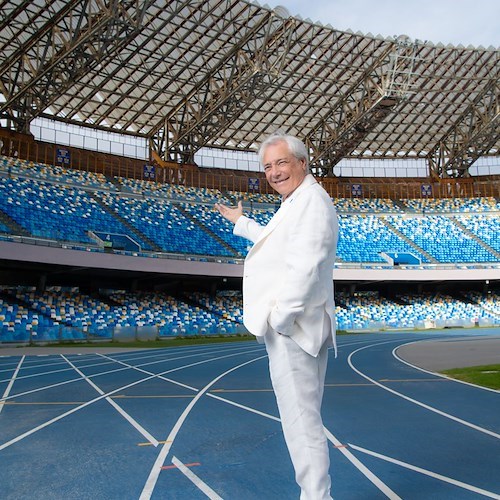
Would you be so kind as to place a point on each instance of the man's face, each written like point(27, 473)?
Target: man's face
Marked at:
point(283, 171)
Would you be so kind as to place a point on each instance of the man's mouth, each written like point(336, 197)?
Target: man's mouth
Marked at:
point(279, 181)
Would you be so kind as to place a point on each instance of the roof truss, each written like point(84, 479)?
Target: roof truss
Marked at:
point(226, 73)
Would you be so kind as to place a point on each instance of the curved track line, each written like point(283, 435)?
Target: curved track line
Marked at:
point(362, 468)
point(355, 461)
point(426, 472)
point(414, 401)
point(100, 374)
point(435, 373)
point(160, 459)
point(99, 398)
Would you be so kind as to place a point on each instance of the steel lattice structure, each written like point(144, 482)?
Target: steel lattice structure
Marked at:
point(226, 73)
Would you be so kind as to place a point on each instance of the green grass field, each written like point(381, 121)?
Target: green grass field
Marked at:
point(485, 376)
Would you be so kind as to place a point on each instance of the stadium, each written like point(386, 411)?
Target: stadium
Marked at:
point(122, 124)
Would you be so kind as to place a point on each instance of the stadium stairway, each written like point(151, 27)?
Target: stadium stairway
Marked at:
point(115, 182)
point(219, 240)
point(476, 238)
point(401, 205)
point(410, 242)
point(126, 223)
point(13, 226)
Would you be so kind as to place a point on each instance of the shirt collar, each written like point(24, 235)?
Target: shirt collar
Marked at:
point(308, 180)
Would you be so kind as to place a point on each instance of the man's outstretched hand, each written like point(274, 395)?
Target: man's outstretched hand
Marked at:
point(232, 214)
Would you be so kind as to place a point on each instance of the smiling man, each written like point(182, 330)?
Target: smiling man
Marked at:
point(288, 301)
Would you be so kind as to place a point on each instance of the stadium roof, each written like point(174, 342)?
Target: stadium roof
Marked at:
point(226, 73)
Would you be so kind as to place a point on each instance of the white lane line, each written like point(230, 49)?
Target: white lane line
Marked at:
point(185, 354)
point(416, 402)
point(151, 482)
point(362, 468)
point(338, 445)
point(394, 353)
point(10, 384)
point(99, 398)
point(243, 407)
point(211, 395)
point(196, 480)
point(116, 406)
point(115, 370)
point(160, 459)
point(151, 373)
point(426, 472)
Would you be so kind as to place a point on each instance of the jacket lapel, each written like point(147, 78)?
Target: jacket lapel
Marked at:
point(309, 180)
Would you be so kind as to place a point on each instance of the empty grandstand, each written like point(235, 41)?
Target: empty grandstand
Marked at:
point(112, 159)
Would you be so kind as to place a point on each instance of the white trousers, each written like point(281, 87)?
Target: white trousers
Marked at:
point(298, 380)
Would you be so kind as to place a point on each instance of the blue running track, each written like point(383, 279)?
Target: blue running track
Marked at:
point(198, 422)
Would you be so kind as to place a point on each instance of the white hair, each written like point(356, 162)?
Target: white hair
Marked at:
point(296, 146)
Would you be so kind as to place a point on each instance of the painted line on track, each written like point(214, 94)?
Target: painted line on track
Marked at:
point(361, 467)
point(100, 374)
point(99, 398)
point(149, 444)
point(11, 383)
point(336, 444)
point(160, 459)
point(138, 356)
point(132, 421)
point(426, 472)
point(414, 401)
point(436, 374)
point(170, 467)
point(196, 480)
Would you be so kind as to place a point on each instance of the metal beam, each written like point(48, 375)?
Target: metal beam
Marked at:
point(244, 74)
point(367, 103)
point(57, 56)
point(472, 135)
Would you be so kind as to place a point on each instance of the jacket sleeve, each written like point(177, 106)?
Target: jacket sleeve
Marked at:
point(311, 240)
point(247, 228)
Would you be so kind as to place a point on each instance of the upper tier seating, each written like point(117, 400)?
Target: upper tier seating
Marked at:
point(170, 191)
point(363, 237)
point(54, 173)
point(448, 205)
point(485, 227)
point(362, 205)
point(161, 221)
point(441, 238)
point(63, 204)
point(56, 212)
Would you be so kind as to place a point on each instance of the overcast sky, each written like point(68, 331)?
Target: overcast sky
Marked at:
point(466, 22)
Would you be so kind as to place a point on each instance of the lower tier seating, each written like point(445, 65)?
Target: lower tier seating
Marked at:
point(67, 314)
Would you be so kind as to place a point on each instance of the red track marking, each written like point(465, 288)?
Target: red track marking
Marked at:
point(194, 464)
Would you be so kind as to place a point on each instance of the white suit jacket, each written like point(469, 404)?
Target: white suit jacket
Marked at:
point(288, 272)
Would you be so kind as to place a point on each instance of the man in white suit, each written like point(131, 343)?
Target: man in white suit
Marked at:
point(288, 301)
